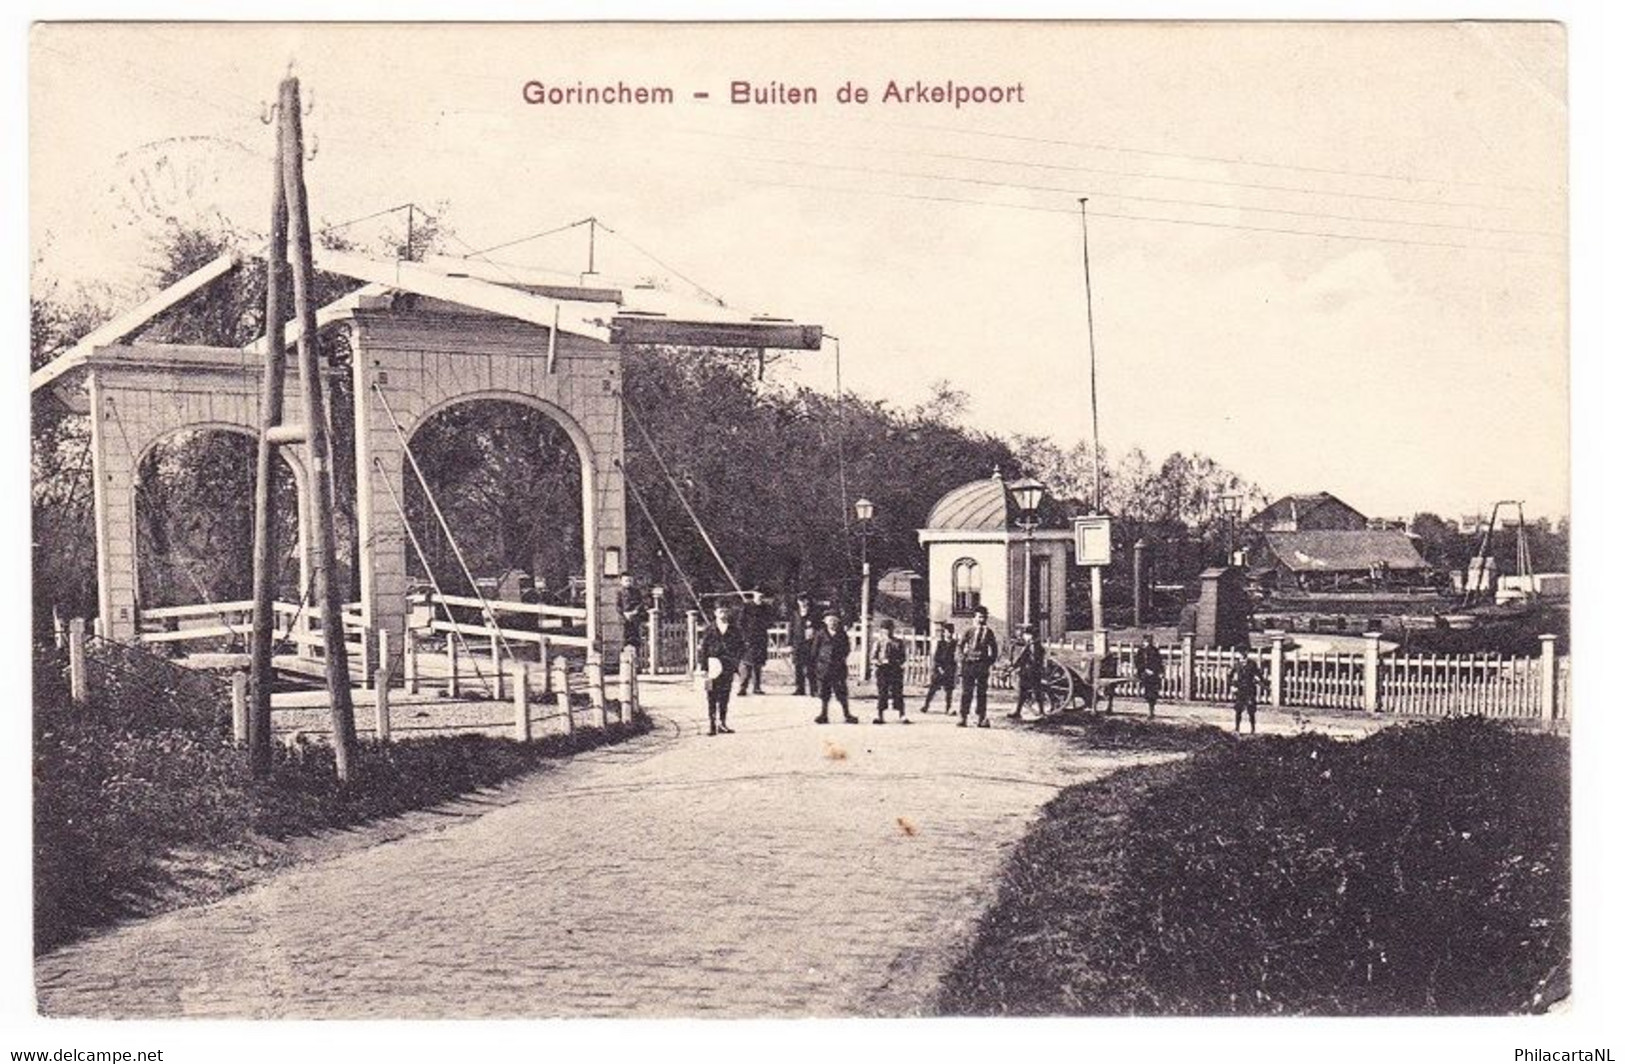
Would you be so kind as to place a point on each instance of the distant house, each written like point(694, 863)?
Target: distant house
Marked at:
point(1353, 560)
point(1318, 542)
point(1319, 512)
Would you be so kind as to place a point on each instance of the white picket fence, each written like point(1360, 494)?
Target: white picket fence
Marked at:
point(1534, 687)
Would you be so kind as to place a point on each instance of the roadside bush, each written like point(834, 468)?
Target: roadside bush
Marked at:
point(121, 787)
point(1422, 870)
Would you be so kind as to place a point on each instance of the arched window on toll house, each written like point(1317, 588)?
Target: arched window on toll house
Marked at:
point(967, 586)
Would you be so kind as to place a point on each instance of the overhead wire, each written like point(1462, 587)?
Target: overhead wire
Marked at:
point(1074, 168)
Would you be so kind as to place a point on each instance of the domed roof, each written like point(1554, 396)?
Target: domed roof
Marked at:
point(983, 506)
point(980, 506)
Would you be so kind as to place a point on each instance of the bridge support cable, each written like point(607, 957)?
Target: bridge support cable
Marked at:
point(637, 496)
point(678, 491)
point(406, 448)
point(417, 548)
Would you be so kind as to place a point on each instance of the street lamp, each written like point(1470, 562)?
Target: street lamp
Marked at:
point(1230, 506)
point(1028, 494)
point(865, 511)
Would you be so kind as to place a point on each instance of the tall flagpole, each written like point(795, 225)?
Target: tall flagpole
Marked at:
point(1097, 616)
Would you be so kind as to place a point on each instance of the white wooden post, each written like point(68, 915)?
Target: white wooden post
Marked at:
point(595, 690)
point(453, 640)
point(367, 679)
point(629, 683)
point(561, 691)
point(693, 640)
point(521, 702)
point(1548, 680)
point(409, 661)
point(1187, 666)
point(1277, 667)
point(381, 688)
point(78, 673)
point(498, 692)
point(383, 651)
point(542, 666)
point(1372, 648)
point(239, 707)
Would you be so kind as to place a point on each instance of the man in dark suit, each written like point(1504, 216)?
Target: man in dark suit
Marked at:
point(830, 646)
point(721, 648)
point(803, 625)
point(634, 614)
point(978, 650)
point(1148, 669)
point(753, 626)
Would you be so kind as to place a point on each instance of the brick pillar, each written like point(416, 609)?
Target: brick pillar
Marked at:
point(114, 471)
point(380, 465)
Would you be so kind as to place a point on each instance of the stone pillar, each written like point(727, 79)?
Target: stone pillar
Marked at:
point(380, 466)
point(1187, 666)
point(1277, 667)
point(113, 469)
point(655, 595)
point(1548, 680)
point(1373, 655)
point(1139, 582)
point(693, 640)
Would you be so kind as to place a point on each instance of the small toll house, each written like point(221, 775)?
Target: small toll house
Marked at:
point(979, 554)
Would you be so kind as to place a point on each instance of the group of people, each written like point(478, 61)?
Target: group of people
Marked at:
point(733, 649)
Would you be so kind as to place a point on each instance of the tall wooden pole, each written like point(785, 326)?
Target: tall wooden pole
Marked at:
point(1097, 613)
point(318, 451)
point(259, 715)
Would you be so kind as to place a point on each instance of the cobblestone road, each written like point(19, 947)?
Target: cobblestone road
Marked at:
point(789, 870)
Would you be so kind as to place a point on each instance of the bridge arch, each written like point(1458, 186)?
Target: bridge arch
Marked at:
point(194, 433)
point(579, 450)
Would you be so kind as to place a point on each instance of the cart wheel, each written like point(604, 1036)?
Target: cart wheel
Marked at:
point(1056, 689)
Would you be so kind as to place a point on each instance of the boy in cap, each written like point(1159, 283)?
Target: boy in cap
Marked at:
point(944, 667)
point(830, 646)
point(888, 657)
point(1029, 668)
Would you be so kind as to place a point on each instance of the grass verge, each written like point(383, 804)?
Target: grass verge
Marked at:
point(142, 803)
point(1422, 870)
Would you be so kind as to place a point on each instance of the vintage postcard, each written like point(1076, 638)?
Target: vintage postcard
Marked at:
point(800, 520)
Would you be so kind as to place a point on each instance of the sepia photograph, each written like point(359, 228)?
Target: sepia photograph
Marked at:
point(800, 520)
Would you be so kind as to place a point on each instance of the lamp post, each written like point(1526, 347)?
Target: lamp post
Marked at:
point(865, 511)
point(1230, 505)
point(1028, 495)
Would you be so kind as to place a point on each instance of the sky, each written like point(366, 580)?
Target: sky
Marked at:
point(1332, 257)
